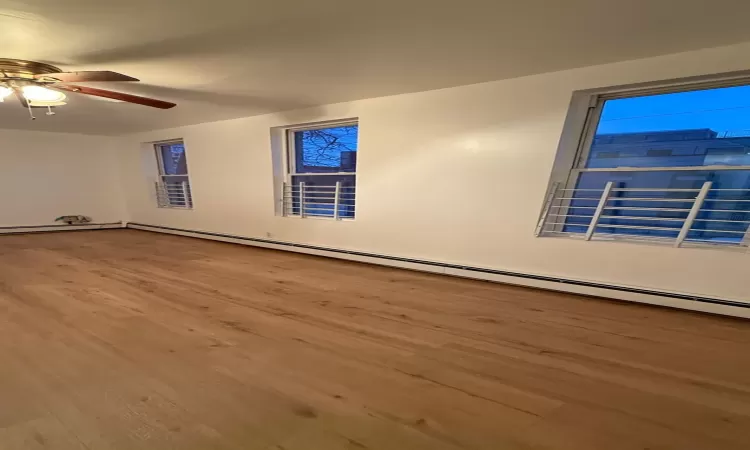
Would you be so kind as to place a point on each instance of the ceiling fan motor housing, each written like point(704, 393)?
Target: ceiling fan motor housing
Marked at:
point(19, 70)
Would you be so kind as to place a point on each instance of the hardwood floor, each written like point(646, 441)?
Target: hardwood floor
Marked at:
point(134, 340)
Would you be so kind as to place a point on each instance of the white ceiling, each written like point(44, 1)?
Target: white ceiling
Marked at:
point(220, 59)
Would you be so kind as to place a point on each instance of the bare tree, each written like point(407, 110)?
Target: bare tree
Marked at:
point(323, 147)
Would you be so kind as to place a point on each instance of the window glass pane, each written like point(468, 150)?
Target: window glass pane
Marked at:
point(173, 159)
point(326, 150)
point(320, 195)
point(695, 128)
point(722, 218)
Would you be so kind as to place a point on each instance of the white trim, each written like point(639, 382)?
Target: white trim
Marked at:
point(43, 228)
point(291, 155)
point(676, 85)
point(307, 217)
point(659, 169)
point(323, 125)
point(167, 141)
point(323, 174)
point(519, 281)
point(588, 132)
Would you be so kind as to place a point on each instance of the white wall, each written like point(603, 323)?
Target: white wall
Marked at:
point(47, 175)
point(495, 143)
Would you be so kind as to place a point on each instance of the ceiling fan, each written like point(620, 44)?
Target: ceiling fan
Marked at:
point(40, 85)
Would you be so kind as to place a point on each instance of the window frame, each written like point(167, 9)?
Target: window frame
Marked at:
point(597, 101)
point(583, 129)
point(291, 150)
point(290, 160)
point(163, 175)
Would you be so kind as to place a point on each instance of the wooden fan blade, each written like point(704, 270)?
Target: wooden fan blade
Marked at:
point(152, 102)
point(83, 77)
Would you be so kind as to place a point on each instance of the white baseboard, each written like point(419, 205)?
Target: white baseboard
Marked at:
point(720, 306)
point(59, 227)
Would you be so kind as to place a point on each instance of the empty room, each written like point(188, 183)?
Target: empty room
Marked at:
point(390, 225)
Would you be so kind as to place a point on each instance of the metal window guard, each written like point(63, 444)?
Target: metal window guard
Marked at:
point(676, 216)
point(302, 200)
point(174, 194)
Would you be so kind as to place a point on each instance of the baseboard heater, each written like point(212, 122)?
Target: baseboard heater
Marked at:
point(20, 229)
point(669, 299)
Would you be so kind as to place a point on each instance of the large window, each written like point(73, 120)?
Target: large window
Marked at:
point(173, 187)
point(661, 165)
point(321, 171)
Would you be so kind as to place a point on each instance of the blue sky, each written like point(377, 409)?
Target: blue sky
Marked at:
point(722, 109)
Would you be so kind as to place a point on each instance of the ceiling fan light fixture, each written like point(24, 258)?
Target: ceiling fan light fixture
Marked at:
point(4, 92)
point(41, 96)
point(45, 104)
point(29, 81)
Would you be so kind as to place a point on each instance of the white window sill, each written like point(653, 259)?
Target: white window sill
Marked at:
point(342, 219)
point(659, 241)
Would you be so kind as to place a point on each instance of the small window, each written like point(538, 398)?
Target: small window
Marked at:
point(322, 167)
point(173, 187)
point(693, 186)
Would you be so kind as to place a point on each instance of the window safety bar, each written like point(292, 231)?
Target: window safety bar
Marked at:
point(575, 213)
point(173, 194)
point(335, 201)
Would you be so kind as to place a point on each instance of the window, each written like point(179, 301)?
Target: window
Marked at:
point(321, 171)
point(173, 187)
point(668, 166)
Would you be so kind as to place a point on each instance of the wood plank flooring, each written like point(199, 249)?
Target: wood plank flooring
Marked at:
point(134, 340)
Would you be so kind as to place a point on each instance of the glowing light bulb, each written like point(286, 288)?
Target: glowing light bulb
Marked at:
point(41, 96)
point(4, 92)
